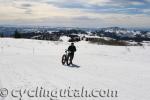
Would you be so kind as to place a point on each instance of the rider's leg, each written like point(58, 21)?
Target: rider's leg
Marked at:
point(71, 57)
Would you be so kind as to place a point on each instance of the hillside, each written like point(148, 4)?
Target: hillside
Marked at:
point(27, 64)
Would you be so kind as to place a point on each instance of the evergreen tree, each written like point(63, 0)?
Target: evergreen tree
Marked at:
point(1, 35)
point(17, 34)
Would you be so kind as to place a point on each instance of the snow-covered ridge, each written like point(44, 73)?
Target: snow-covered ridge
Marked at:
point(122, 32)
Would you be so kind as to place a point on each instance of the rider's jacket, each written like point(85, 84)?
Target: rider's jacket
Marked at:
point(72, 49)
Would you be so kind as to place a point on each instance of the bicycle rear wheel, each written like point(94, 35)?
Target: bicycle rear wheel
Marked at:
point(68, 61)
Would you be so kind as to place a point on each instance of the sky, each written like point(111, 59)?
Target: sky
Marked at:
point(76, 13)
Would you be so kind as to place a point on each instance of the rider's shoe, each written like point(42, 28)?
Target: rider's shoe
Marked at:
point(71, 63)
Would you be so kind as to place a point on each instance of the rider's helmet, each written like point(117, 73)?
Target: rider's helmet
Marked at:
point(72, 44)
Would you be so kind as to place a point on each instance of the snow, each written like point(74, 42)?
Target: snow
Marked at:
point(64, 38)
point(123, 32)
point(31, 63)
point(148, 34)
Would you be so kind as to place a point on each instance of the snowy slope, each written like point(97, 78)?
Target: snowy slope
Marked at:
point(31, 63)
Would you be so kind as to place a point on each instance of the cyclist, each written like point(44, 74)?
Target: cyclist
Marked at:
point(72, 50)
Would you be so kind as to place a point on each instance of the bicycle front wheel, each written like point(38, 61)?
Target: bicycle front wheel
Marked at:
point(63, 59)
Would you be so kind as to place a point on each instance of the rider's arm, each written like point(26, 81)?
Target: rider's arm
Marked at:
point(69, 48)
point(75, 49)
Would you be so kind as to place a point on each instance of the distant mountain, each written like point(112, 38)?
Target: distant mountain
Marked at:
point(112, 32)
point(123, 33)
point(9, 30)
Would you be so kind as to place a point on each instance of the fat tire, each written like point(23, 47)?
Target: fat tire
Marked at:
point(63, 59)
point(68, 61)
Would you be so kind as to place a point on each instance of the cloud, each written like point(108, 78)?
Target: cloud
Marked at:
point(103, 6)
point(26, 5)
point(147, 0)
point(147, 11)
point(137, 3)
point(86, 13)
